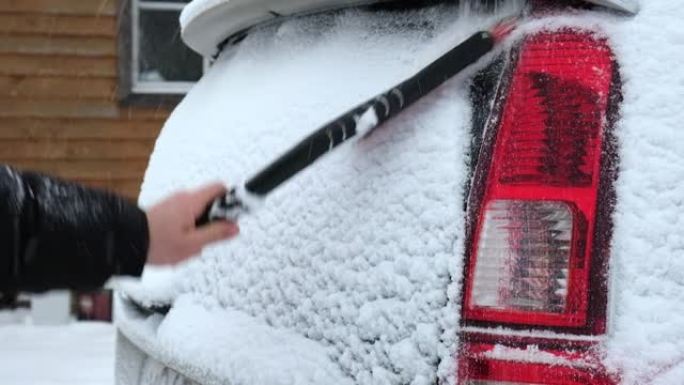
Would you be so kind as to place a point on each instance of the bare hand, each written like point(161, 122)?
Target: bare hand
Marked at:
point(173, 234)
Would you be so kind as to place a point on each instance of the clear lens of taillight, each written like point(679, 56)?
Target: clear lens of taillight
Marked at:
point(536, 212)
point(524, 256)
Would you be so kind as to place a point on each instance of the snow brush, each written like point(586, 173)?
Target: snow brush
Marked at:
point(358, 122)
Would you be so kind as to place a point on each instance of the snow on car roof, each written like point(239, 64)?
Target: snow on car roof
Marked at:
point(362, 253)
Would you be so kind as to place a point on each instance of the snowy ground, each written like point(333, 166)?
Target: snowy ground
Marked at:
point(80, 353)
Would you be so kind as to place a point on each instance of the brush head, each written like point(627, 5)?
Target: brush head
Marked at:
point(628, 6)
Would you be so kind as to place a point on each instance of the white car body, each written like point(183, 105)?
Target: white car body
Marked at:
point(351, 273)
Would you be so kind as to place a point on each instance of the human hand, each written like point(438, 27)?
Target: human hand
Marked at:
point(174, 236)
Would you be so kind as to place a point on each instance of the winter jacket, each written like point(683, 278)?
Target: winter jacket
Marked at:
point(56, 234)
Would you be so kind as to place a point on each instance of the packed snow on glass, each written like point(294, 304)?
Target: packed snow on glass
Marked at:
point(350, 273)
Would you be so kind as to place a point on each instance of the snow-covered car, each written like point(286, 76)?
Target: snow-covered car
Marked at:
point(520, 224)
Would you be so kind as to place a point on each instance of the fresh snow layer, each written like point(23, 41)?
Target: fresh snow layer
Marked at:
point(81, 353)
point(359, 252)
point(157, 286)
point(221, 344)
point(648, 243)
point(362, 253)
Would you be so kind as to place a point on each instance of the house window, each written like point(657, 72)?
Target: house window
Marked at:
point(154, 64)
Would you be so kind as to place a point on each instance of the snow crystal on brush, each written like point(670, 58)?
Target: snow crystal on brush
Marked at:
point(360, 251)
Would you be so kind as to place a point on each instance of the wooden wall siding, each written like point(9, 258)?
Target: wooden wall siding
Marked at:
point(58, 95)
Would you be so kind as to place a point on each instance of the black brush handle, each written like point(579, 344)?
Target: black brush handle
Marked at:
point(326, 138)
point(387, 105)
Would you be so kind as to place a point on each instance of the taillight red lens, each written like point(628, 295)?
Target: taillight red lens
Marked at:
point(485, 366)
point(530, 258)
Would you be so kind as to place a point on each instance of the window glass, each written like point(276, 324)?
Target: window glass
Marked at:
point(163, 57)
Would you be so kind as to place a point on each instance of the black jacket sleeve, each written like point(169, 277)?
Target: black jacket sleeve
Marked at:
point(56, 234)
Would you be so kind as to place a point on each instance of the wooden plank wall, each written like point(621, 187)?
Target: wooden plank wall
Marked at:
point(58, 106)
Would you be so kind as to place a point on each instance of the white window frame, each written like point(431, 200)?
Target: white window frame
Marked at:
point(153, 87)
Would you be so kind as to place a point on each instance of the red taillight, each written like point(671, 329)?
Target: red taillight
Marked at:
point(531, 253)
point(539, 219)
point(496, 365)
